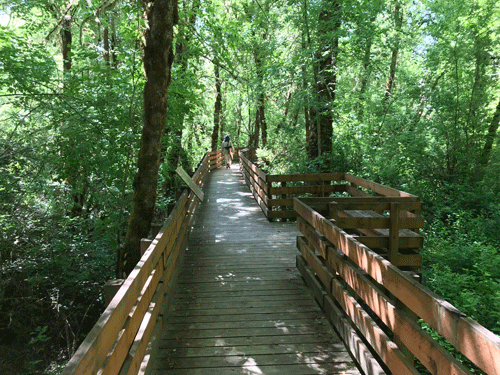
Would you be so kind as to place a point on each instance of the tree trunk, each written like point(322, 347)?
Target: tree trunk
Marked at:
point(398, 23)
point(222, 120)
point(158, 56)
point(365, 73)
point(217, 108)
point(260, 114)
point(113, 45)
point(105, 37)
point(477, 96)
point(423, 101)
point(490, 138)
point(261, 117)
point(311, 141)
point(66, 40)
point(287, 107)
point(326, 65)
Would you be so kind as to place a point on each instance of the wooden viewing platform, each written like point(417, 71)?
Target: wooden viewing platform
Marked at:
point(240, 305)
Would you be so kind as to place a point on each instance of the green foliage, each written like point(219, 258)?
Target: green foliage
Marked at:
point(53, 289)
point(461, 266)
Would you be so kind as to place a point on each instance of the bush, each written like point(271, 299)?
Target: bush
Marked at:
point(461, 268)
point(51, 295)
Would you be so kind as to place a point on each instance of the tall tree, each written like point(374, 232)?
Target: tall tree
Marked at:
point(329, 24)
point(161, 16)
point(398, 23)
point(217, 108)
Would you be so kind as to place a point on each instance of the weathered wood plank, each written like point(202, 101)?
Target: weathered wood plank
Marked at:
point(240, 298)
point(323, 338)
point(377, 188)
point(250, 367)
point(305, 177)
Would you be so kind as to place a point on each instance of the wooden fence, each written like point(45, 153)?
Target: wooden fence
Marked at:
point(385, 219)
point(374, 305)
point(126, 335)
point(275, 193)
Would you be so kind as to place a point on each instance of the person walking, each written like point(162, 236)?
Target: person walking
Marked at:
point(227, 146)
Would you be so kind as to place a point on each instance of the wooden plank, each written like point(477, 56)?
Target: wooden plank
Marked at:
point(354, 192)
point(251, 350)
point(152, 348)
point(93, 351)
point(432, 355)
point(305, 177)
point(131, 366)
point(185, 177)
point(256, 179)
point(377, 188)
point(259, 187)
point(313, 357)
point(385, 348)
point(409, 203)
point(405, 241)
point(280, 202)
point(356, 346)
point(477, 343)
point(394, 226)
point(359, 350)
point(376, 222)
point(120, 350)
point(251, 367)
point(313, 237)
point(322, 338)
point(309, 189)
point(313, 262)
point(288, 214)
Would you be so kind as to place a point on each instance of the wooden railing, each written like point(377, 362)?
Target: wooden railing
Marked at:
point(217, 158)
point(275, 193)
point(383, 218)
point(359, 288)
point(126, 335)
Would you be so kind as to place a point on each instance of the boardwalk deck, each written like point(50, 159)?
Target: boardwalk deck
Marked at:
point(241, 306)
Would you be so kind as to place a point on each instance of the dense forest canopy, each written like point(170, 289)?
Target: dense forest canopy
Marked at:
point(402, 92)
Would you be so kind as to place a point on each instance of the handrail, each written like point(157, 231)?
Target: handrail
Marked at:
point(122, 340)
point(275, 193)
point(370, 290)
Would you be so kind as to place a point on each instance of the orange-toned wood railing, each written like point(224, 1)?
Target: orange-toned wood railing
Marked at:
point(359, 288)
point(126, 335)
point(216, 158)
point(275, 193)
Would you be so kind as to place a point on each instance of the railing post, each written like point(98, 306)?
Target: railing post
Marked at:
point(394, 234)
point(110, 289)
point(145, 242)
point(283, 196)
point(269, 185)
point(411, 316)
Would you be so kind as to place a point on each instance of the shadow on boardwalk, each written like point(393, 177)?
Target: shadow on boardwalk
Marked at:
point(241, 306)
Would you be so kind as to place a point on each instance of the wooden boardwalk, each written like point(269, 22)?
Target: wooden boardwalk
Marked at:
point(241, 306)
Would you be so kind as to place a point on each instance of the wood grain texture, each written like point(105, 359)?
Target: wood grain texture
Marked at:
point(241, 306)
